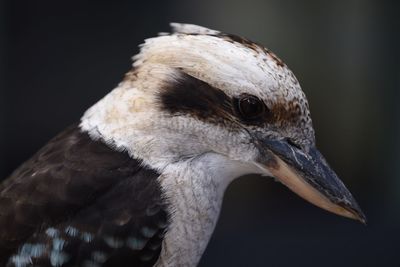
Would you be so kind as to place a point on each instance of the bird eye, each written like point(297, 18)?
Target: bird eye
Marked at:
point(250, 107)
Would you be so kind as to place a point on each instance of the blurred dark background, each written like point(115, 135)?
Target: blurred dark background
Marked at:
point(59, 57)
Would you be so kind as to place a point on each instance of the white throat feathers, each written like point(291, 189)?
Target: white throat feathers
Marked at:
point(195, 190)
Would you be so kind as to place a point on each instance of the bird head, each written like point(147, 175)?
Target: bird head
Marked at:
point(199, 91)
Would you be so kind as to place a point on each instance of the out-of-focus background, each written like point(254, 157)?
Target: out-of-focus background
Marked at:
point(57, 58)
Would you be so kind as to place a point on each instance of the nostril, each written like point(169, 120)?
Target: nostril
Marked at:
point(293, 144)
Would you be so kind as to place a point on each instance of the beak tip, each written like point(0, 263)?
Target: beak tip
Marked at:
point(358, 214)
point(362, 218)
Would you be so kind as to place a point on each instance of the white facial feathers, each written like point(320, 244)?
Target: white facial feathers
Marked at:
point(228, 62)
point(129, 118)
point(224, 64)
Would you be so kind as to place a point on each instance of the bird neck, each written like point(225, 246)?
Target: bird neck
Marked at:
point(195, 190)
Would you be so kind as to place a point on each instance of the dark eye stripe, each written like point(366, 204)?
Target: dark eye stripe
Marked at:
point(189, 95)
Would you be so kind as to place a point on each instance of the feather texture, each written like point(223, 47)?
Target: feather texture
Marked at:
point(77, 202)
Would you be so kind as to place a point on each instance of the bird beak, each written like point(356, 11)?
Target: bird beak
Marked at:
point(309, 175)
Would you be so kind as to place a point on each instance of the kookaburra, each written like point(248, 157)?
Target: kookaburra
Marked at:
point(139, 181)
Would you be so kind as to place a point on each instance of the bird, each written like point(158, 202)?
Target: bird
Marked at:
point(139, 179)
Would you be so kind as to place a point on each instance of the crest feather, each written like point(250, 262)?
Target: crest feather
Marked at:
point(191, 29)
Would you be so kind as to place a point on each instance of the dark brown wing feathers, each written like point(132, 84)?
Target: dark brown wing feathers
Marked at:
point(112, 203)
